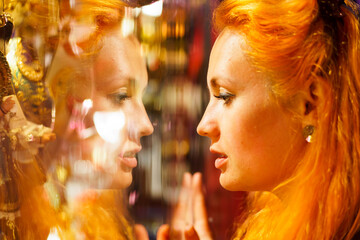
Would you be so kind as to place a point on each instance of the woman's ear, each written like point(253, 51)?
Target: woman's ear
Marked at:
point(313, 100)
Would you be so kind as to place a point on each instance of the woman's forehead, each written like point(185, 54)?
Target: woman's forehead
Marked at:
point(227, 52)
point(229, 61)
point(118, 61)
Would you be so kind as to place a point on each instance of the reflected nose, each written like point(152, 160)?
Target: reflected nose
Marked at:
point(145, 126)
point(139, 124)
point(208, 125)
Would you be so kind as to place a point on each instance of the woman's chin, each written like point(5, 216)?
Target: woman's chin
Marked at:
point(224, 182)
point(122, 180)
point(230, 184)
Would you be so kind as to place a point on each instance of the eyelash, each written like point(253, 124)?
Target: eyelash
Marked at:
point(119, 98)
point(226, 97)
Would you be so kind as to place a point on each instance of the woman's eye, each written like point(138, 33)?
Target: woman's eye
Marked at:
point(119, 98)
point(225, 96)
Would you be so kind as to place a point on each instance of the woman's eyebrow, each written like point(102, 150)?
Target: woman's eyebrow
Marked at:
point(216, 82)
point(117, 81)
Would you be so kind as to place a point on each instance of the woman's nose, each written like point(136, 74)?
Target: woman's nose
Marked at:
point(145, 126)
point(208, 125)
point(148, 128)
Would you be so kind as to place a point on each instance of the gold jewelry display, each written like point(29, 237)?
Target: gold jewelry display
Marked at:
point(5, 78)
point(28, 84)
point(33, 70)
point(9, 195)
point(12, 227)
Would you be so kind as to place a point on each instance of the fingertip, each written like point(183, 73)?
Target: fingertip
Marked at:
point(163, 232)
point(187, 175)
point(186, 179)
point(190, 233)
point(197, 175)
point(141, 232)
point(164, 227)
point(197, 180)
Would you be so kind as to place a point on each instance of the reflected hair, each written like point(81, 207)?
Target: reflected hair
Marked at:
point(293, 44)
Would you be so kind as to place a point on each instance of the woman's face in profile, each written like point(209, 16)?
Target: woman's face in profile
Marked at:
point(250, 133)
point(115, 119)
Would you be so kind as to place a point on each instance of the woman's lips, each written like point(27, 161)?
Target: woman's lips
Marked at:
point(128, 159)
point(221, 161)
point(130, 162)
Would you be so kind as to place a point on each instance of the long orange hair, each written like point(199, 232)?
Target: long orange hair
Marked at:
point(291, 42)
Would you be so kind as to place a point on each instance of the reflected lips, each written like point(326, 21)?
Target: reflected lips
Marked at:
point(129, 159)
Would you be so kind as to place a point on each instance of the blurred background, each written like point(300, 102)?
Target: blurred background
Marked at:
point(176, 36)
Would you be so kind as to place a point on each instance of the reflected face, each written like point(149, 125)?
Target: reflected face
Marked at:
point(250, 133)
point(114, 87)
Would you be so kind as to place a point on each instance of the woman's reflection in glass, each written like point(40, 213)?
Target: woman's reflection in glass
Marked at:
point(97, 80)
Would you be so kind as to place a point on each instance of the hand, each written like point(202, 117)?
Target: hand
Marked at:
point(190, 218)
point(140, 232)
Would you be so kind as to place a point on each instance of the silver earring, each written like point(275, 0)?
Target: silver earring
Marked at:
point(308, 131)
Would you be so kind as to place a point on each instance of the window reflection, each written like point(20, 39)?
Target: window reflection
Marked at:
point(97, 81)
point(105, 63)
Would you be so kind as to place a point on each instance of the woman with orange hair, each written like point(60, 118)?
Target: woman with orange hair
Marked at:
point(284, 121)
point(96, 80)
